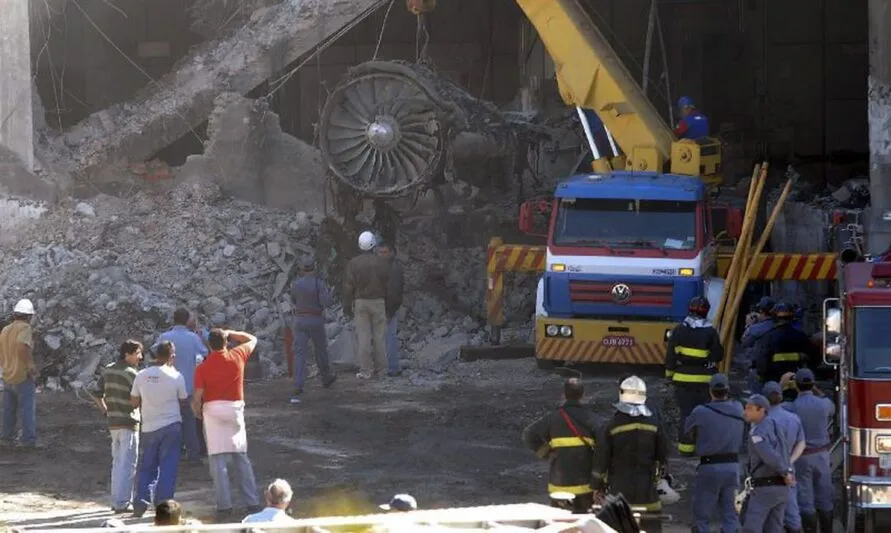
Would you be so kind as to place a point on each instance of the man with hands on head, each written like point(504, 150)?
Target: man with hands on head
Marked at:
point(219, 401)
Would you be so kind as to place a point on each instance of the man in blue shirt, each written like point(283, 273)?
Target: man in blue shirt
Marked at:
point(718, 428)
point(813, 470)
point(190, 351)
point(310, 297)
point(693, 124)
point(793, 432)
point(769, 470)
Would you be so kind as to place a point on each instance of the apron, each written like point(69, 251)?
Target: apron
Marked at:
point(224, 427)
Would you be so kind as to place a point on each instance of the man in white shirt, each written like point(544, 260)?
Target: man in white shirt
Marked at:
point(157, 391)
point(278, 498)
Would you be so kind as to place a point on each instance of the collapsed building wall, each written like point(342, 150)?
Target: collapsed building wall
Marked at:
point(171, 107)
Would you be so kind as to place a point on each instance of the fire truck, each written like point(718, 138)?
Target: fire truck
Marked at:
point(855, 344)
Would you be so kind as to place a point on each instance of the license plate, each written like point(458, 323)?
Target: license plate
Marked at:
point(885, 461)
point(618, 340)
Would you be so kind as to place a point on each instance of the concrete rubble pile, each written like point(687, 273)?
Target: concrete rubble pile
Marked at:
point(106, 269)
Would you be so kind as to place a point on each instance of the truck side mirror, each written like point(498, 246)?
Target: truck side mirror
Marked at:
point(534, 216)
point(833, 338)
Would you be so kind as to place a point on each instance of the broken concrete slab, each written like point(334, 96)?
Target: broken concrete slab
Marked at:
point(249, 156)
point(169, 108)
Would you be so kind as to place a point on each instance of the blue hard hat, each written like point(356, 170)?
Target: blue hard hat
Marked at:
point(782, 310)
point(765, 304)
point(685, 101)
point(804, 375)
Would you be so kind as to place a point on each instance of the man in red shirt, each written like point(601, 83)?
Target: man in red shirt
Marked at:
point(219, 401)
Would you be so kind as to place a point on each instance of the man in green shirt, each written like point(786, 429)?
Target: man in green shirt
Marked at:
point(113, 397)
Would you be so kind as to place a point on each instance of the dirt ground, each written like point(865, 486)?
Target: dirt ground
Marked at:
point(450, 439)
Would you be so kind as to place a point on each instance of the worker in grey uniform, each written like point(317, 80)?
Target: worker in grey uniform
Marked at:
point(793, 432)
point(769, 470)
point(310, 296)
point(718, 429)
point(812, 469)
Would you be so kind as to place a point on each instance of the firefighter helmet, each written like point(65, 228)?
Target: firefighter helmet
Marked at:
point(633, 390)
point(699, 306)
point(783, 310)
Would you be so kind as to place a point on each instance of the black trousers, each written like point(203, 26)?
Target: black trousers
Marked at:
point(688, 396)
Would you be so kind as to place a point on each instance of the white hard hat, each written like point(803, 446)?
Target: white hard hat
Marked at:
point(367, 241)
point(633, 390)
point(23, 307)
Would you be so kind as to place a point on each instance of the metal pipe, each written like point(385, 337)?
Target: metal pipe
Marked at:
point(612, 142)
point(651, 23)
point(588, 133)
point(665, 69)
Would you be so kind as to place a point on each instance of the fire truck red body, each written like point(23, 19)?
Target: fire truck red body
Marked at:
point(862, 351)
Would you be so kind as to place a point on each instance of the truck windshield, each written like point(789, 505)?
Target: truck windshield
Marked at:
point(668, 225)
point(872, 342)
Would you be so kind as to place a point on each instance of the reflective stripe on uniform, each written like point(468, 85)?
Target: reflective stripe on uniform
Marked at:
point(786, 357)
point(669, 373)
point(572, 489)
point(691, 378)
point(691, 352)
point(655, 506)
point(599, 475)
point(686, 448)
point(571, 442)
point(633, 427)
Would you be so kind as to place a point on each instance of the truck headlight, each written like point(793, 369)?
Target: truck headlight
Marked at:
point(883, 444)
point(552, 330)
point(566, 331)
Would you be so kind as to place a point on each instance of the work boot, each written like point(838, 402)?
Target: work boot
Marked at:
point(329, 381)
point(808, 523)
point(825, 520)
point(790, 529)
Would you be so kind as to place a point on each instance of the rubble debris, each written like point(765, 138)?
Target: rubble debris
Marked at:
point(249, 156)
point(104, 269)
point(169, 108)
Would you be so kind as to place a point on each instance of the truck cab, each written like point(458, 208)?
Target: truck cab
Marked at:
point(626, 252)
point(858, 342)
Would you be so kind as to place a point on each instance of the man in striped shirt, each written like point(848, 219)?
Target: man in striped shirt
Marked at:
point(113, 397)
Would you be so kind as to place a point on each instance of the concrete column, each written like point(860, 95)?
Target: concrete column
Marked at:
point(879, 106)
point(16, 115)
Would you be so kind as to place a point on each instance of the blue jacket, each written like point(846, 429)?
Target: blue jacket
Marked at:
point(693, 126)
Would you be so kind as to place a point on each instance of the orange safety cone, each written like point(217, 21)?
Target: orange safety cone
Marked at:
point(289, 349)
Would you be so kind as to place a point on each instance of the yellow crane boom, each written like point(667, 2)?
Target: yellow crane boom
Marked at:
point(590, 75)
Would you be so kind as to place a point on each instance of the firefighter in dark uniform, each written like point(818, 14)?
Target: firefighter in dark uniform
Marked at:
point(719, 429)
point(784, 348)
point(566, 438)
point(694, 351)
point(631, 450)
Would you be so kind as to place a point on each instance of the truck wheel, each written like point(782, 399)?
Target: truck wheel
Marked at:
point(548, 364)
point(545, 364)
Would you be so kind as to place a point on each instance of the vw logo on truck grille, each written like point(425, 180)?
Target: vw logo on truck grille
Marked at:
point(621, 293)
